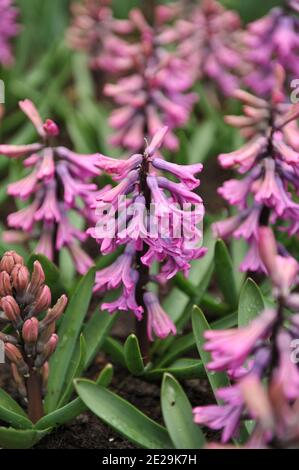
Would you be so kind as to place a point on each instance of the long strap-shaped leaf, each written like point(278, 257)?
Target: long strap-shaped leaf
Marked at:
point(12, 413)
point(178, 417)
point(200, 325)
point(122, 416)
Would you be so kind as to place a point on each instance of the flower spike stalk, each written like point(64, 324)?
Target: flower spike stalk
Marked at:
point(158, 221)
point(268, 165)
point(57, 180)
point(28, 347)
point(260, 360)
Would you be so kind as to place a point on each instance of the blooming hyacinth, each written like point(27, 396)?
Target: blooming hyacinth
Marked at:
point(58, 184)
point(93, 26)
point(154, 84)
point(157, 219)
point(208, 40)
point(261, 361)
point(269, 161)
point(30, 341)
point(8, 30)
point(270, 40)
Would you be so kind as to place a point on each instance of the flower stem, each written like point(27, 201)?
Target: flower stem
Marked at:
point(34, 393)
point(149, 10)
point(141, 325)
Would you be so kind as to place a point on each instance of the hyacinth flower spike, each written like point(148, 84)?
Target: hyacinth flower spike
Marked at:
point(158, 221)
point(8, 30)
point(268, 164)
point(152, 83)
point(259, 359)
point(267, 41)
point(57, 180)
point(30, 342)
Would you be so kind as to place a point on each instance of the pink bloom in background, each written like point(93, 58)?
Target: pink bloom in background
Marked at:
point(154, 86)
point(56, 188)
point(268, 164)
point(167, 232)
point(270, 40)
point(208, 39)
point(258, 357)
point(93, 26)
point(8, 30)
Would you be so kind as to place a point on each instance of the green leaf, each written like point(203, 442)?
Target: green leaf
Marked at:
point(201, 142)
point(251, 303)
point(182, 369)
point(11, 438)
point(123, 417)
point(12, 413)
point(75, 370)
point(114, 349)
point(178, 416)
point(95, 332)
point(75, 407)
point(53, 279)
point(133, 356)
point(225, 274)
point(69, 332)
point(200, 325)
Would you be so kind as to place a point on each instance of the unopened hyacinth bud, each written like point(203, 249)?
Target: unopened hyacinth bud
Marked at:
point(23, 296)
point(54, 313)
point(9, 260)
point(47, 351)
point(11, 310)
point(5, 284)
point(51, 128)
point(15, 356)
point(30, 335)
point(30, 330)
point(43, 301)
point(20, 278)
point(37, 278)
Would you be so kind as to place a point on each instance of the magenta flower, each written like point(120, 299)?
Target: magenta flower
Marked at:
point(158, 220)
point(8, 30)
point(226, 417)
point(260, 359)
point(208, 40)
point(153, 88)
point(93, 27)
point(58, 180)
point(270, 162)
point(270, 40)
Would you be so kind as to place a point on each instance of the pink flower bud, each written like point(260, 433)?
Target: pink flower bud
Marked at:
point(9, 260)
point(11, 310)
point(51, 128)
point(14, 355)
point(43, 300)
point(54, 313)
point(5, 285)
point(48, 350)
point(20, 278)
point(37, 277)
point(30, 330)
